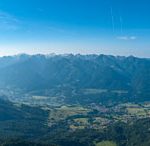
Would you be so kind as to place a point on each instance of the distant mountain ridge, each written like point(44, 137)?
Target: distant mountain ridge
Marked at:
point(33, 72)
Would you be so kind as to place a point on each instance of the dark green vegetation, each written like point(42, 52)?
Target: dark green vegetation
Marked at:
point(74, 101)
point(21, 121)
point(27, 125)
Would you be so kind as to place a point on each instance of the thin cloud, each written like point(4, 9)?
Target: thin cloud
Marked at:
point(8, 21)
point(127, 38)
point(51, 28)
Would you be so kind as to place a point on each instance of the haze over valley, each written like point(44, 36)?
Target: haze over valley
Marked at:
point(74, 73)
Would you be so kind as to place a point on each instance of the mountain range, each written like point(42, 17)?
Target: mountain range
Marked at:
point(117, 73)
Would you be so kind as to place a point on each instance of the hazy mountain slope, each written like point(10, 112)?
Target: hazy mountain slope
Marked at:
point(80, 71)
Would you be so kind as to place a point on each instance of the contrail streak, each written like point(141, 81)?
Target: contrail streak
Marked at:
point(112, 19)
point(121, 24)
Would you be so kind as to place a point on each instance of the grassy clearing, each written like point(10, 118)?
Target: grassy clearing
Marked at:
point(94, 91)
point(99, 91)
point(106, 143)
point(40, 97)
point(120, 91)
point(83, 121)
point(136, 111)
point(73, 127)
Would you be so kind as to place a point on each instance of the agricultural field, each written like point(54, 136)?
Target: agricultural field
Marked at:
point(95, 117)
point(64, 112)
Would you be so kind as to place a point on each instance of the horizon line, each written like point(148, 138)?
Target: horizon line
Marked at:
point(74, 54)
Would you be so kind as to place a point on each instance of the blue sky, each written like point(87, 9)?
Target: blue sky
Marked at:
point(118, 27)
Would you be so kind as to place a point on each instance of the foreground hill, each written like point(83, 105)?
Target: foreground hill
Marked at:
point(21, 121)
